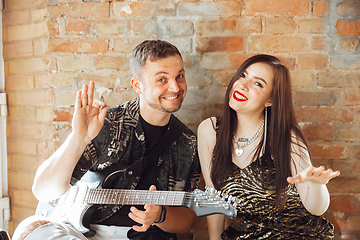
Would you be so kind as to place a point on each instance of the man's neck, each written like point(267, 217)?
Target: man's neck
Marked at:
point(155, 117)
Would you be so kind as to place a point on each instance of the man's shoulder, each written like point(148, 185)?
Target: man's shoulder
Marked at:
point(128, 109)
point(186, 129)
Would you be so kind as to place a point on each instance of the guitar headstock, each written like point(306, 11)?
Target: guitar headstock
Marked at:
point(210, 202)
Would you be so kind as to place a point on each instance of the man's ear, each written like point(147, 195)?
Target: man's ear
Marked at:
point(135, 83)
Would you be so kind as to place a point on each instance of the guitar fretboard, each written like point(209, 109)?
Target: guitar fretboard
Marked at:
point(135, 197)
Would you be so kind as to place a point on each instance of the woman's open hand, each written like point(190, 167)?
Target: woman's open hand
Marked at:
point(314, 174)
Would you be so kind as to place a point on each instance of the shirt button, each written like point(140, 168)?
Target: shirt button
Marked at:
point(130, 172)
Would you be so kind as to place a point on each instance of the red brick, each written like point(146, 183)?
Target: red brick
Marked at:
point(344, 185)
point(353, 222)
point(229, 61)
point(338, 79)
point(21, 146)
point(63, 115)
point(214, 44)
point(322, 8)
point(344, 115)
point(313, 61)
point(302, 78)
point(31, 130)
point(24, 163)
point(318, 132)
point(102, 62)
point(27, 31)
point(46, 149)
point(216, 27)
point(344, 204)
point(42, 80)
point(23, 198)
point(15, 18)
point(17, 4)
point(111, 27)
point(279, 25)
point(77, 27)
point(277, 7)
point(348, 8)
point(79, 45)
point(315, 98)
point(323, 115)
point(99, 80)
point(347, 27)
point(133, 8)
point(19, 82)
point(53, 28)
point(277, 44)
point(320, 43)
point(313, 25)
point(121, 46)
point(80, 10)
point(35, 98)
point(221, 8)
point(29, 65)
point(21, 114)
point(321, 151)
point(250, 25)
point(339, 224)
point(21, 180)
point(18, 49)
point(352, 97)
point(348, 168)
point(348, 131)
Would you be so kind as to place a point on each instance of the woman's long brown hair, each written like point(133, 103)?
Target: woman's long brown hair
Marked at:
point(281, 125)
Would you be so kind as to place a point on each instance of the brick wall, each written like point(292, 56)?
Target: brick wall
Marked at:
point(52, 47)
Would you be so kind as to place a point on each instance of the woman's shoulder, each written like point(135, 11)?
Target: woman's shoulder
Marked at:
point(207, 124)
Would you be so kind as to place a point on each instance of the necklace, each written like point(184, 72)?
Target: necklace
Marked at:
point(240, 148)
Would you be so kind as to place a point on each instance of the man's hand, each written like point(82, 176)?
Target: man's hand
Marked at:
point(89, 115)
point(146, 218)
point(315, 175)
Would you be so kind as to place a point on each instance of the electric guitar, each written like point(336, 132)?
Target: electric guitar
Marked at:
point(80, 201)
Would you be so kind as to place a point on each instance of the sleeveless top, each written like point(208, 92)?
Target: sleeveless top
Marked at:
point(257, 217)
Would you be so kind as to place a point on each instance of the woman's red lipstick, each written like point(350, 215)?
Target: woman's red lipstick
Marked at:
point(238, 96)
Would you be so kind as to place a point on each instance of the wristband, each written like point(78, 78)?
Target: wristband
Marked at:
point(162, 215)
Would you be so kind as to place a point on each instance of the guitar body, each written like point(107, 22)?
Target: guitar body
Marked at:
point(77, 205)
point(71, 207)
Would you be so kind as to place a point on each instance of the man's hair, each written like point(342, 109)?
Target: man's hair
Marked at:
point(152, 50)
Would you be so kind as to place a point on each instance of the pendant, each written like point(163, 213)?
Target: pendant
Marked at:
point(239, 151)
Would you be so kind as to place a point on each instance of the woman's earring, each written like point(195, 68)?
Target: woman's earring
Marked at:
point(265, 132)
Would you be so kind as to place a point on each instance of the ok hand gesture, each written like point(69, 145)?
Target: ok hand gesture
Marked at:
point(313, 174)
point(89, 115)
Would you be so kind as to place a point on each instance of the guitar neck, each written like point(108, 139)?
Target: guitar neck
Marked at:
point(135, 197)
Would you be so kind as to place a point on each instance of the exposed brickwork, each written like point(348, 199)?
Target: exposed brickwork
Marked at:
point(51, 48)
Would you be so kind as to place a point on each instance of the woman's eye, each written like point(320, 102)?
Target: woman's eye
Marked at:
point(242, 75)
point(258, 84)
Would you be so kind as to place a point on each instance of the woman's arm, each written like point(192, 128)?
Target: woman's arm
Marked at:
point(206, 142)
point(311, 181)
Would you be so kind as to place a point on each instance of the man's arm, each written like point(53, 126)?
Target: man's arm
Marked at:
point(53, 177)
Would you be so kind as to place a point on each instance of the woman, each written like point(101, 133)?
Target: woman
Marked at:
point(257, 153)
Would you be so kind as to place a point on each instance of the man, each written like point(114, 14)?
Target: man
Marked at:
point(104, 137)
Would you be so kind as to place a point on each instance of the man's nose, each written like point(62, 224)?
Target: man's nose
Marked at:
point(173, 86)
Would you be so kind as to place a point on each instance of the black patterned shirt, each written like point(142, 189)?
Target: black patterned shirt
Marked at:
point(122, 140)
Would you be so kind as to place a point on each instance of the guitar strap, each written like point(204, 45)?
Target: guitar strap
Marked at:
point(175, 129)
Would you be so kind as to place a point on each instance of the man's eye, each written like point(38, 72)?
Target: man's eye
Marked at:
point(180, 76)
point(161, 80)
